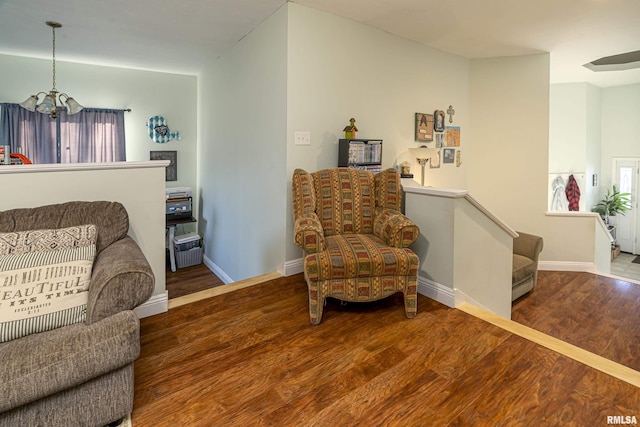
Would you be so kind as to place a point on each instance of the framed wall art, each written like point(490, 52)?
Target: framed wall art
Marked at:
point(438, 124)
point(449, 155)
point(435, 160)
point(171, 172)
point(452, 136)
point(424, 127)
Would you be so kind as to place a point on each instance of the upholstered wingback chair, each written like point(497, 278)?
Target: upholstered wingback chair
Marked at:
point(526, 250)
point(354, 237)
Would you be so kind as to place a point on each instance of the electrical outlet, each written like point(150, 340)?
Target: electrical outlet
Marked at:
point(303, 138)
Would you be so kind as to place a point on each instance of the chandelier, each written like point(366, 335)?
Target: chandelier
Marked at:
point(49, 104)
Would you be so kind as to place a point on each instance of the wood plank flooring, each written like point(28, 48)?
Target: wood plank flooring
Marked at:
point(189, 280)
point(250, 357)
point(596, 313)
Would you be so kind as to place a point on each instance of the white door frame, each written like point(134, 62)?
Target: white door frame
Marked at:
point(631, 217)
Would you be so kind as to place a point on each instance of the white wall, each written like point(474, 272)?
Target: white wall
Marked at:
point(567, 128)
point(593, 146)
point(509, 151)
point(242, 153)
point(338, 69)
point(435, 216)
point(620, 128)
point(484, 256)
point(146, 93)
point(574, 137)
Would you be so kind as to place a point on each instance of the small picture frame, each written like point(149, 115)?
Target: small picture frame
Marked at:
point(424, 127)
point(439, 140)
point(434, 163)
point(449, 155)
point(452, 136)
point(171, 172)
point(438, 124)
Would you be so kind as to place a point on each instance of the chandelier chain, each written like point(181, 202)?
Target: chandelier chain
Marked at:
point(53, 28)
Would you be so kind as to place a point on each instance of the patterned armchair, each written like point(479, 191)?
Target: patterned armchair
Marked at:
point(354, 238)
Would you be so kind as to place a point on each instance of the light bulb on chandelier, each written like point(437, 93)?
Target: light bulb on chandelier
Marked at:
point(49, 104)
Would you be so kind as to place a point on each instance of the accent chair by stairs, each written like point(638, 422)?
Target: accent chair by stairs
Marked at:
point(526, 249)
point(354, 237)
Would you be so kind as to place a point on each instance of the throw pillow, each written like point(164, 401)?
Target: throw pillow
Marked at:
point(44, 279)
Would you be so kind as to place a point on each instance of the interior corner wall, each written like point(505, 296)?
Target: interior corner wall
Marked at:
point(242, 152)
point(509, 151)
point(338, 69)
point(593, 146)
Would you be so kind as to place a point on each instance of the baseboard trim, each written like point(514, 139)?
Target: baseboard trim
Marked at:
point(436, 291)
point(155, 305)
point(462, 298)
point(217, 270)
point(587, 267)
point(289, 268)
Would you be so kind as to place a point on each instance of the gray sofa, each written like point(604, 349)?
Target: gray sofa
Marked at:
point(526, 249)
point(81, 374)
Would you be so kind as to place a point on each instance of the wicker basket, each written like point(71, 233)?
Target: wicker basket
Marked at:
point(189, 257)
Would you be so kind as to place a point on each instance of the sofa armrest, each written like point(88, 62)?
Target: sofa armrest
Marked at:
point(308, 233)
point(528, 245)
point(121, 280)
point(394, 228)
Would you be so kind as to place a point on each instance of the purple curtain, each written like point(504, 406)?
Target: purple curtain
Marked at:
point(33, 134)
point(93, 135)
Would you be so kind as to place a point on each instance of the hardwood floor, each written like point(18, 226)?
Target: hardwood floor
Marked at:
point(189, 280)
point(596, 313)
point(250, 357)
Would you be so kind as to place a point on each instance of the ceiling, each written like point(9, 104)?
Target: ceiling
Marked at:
point(183, 36)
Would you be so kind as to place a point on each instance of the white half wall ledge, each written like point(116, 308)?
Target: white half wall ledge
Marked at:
point(410, 186)
point(61, 167)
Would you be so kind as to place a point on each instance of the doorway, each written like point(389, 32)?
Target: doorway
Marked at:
point(625, 178)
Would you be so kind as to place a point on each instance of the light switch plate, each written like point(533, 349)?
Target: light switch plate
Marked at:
point(303, 138)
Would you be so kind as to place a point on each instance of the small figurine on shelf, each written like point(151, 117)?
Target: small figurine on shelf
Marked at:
point(350, 131)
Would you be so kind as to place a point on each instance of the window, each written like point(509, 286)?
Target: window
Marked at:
point(93, 135)
point(626, 179)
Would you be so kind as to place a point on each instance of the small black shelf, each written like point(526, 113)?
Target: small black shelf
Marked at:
point(360, 154)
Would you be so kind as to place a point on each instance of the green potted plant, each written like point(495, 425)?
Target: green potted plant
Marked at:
point(612, 204)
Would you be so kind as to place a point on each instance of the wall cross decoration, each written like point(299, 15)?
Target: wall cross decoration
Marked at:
point(451, 112)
